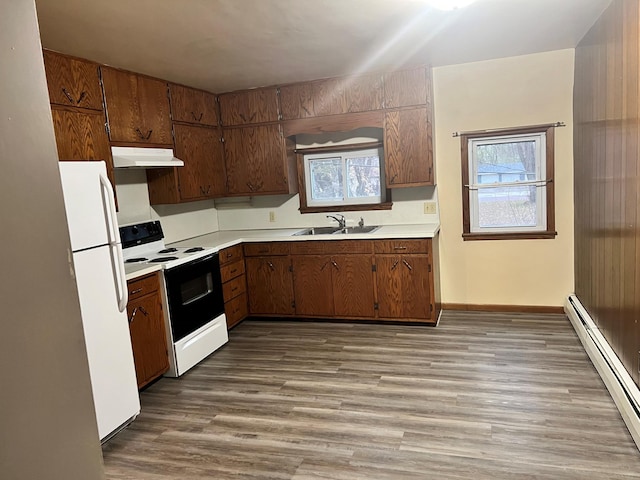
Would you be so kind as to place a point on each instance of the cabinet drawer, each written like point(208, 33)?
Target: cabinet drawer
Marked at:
point(236, 310)
point(234, 287)
point(142, 286)
point(231, 271)
point(319, 247)
point(403, 246)
point(271, 248)
point(230, 254)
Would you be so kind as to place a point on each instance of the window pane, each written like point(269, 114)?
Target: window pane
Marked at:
point(514, 206)
point(326, 179)
point(506, 162)
point(363, 177)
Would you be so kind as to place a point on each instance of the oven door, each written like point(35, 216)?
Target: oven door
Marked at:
point(194, 295)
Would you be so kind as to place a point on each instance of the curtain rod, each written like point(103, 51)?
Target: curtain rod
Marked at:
point(497, 130)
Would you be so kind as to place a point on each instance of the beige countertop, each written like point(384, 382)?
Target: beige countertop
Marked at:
point(134, 271)
point(228, 238)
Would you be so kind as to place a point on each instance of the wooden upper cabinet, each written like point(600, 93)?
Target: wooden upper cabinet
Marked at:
point(193, 106)
point(408, 148)
point(259, 161)
point(80, 135)
point(72, 82)
point(332, 96)
point(202, 175)
point(137, 108)
point(406, 88)
point(259, 105)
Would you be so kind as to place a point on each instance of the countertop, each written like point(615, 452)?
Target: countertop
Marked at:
point(228, 238)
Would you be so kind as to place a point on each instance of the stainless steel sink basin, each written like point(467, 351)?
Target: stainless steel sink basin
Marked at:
point(365, 229)
point(318, 231)
point(337, 230)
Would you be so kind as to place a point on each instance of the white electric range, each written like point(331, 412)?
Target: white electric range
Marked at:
point(192, 293)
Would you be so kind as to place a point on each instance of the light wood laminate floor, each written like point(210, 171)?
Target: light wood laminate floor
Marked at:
point(481, 396)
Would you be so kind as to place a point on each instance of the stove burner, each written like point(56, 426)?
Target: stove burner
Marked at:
point(168, 250)
point(194, 249)
point(136, 260)
point(162, 259)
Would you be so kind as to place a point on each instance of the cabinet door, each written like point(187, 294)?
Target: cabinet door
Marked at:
point(363, 93)
point(259, 105)
point(405, 88)
point(408, 148)
point(296, 101)
point(72, 82)
point(202, 175)
point(270, 285)
point(404, 291)
point(146, 326)
point(80, 135)
point(352, 285)
point(193, 106)
point(255, 160)
point(312, 285)
point(137, 108)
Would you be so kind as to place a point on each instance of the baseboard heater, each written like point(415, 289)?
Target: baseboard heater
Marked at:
point(623, 390)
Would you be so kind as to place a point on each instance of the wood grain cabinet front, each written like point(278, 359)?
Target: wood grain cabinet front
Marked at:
point(72, 82)
point(259, 161)
point(258, 105)
point(189, 105)
point(137, 108)
point(270, 285)
point(203, 173)
point(408, 148)
point(406, 88)
point(234, 284)
point(147, 329)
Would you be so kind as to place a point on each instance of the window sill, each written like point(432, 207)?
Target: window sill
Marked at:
point(509, 236)
point(347, 208)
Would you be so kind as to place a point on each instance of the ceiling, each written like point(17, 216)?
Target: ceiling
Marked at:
point(223, 45)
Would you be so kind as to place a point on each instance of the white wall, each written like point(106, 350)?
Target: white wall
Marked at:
point(179, 222)
point(509, 92)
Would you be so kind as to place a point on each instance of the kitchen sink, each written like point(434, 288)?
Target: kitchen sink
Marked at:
point(337, 230)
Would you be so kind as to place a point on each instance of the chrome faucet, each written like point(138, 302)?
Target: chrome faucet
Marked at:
point(341, 221)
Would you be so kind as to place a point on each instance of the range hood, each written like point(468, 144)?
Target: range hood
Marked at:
point(135, 157)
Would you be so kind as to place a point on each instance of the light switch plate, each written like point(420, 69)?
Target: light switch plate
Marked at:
point(429, 208)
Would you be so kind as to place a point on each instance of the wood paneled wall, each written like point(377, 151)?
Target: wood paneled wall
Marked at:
point(607, 237)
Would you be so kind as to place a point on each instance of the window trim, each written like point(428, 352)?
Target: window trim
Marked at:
point(302, 190)
point(547, 233)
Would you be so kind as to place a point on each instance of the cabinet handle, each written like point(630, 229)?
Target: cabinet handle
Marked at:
point(252, 117)
point(399, 248)
point(68, 95)
point(208, 189)
point(234, 289)
point(259, 186)
point(235, 270)
point(142, 135)
point(393, 179)
point(244, 119)
point(135, 312)
point(271, 265)
point(407, 265)
point(306, 110)
point(229, 255)
point(81, 97)
point(197, 119)
point(137, 290)
point(393, 267)
point(324, 266)
point(333, 262)
point(250, 186)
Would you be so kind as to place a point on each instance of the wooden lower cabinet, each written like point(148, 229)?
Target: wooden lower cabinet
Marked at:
point(270, 285)
point(147, 329)
point(404, 287)
point(312, 285)
point(234, 284)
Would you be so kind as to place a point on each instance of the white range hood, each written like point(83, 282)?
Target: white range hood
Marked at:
point(135, 157)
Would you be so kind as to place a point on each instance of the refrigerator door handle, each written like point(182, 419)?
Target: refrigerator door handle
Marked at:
point(114, 243)
point(110, 211)
point(120, 277)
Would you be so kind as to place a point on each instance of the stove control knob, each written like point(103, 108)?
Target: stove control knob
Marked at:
point(134, 230)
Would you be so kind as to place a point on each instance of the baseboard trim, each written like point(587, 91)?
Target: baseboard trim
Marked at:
point(623, 390)
point(502, 308)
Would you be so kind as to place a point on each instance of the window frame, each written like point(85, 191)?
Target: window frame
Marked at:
point(305, 207)
point(548, 231)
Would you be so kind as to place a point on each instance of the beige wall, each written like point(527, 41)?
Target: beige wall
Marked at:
point(47, 421)
point(509, 92)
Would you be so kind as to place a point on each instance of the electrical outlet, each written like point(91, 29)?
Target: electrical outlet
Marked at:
point(429, 208)
point(272, 216)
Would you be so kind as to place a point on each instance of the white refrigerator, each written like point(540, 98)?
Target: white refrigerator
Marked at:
point(102, 288)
